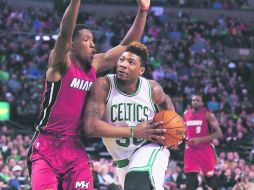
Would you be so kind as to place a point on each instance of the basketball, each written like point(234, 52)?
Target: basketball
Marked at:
point(174, 125)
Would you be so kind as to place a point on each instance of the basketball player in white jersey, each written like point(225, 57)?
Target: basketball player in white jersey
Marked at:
point(127, 99)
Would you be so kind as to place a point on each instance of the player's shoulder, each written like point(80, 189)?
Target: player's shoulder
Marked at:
point(209, 113)
point(101, 82)
point(153, 84)
point(187, 111)
point(101, 87)
point(152, 81)
point(155, 87)
point(207, 110)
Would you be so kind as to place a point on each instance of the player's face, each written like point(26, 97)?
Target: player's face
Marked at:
point(196, 102)
point(83, 46)
point(129, 67)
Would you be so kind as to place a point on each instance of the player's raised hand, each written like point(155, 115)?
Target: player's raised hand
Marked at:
point(144, 4)
point(150, 130)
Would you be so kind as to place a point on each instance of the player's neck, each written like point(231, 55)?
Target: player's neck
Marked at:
point(81, 64)
point(127, 87)
point(196, 110)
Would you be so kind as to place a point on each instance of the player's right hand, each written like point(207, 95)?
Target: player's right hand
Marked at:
point(194, 141)
point(144, 4)
point(150, 130)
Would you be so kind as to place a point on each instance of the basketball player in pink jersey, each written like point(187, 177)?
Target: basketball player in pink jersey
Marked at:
point(199, 153)
point(57, 158)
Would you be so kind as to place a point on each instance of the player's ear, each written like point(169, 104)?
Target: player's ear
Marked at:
point(72, 45)
point(142, 70)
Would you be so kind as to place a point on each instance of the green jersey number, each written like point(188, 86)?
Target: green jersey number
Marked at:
point(126, 141)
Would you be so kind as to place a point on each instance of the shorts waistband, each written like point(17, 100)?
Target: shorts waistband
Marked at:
point(58, 136)
point(122, 163)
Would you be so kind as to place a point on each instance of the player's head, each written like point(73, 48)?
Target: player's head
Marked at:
point(196, 102)
point(132, 62)
point(82, 44)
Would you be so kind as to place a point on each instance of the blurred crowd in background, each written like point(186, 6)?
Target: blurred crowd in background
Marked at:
point(214, 4)
point(231, 170)
point(187, 56)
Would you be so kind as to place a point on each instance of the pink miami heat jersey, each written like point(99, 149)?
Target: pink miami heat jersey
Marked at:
point(63, 101)
point(196, 125)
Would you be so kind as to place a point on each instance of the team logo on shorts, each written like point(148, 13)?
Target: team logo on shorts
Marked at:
point(82, 184)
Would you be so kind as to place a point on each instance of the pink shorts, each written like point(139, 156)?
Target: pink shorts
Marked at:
point(59, 162)
point(198, 159)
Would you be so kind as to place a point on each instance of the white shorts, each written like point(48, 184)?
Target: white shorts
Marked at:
point(152, 158)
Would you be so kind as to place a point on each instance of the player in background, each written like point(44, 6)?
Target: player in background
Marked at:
point(57, 158)
point(124, 100)
point(199, 152)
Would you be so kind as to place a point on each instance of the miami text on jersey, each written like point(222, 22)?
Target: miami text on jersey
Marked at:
point(81, 84)
point(194, 123)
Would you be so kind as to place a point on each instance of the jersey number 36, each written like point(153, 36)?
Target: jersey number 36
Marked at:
point(126, 141)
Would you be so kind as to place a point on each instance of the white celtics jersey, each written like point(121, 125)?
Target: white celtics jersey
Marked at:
point(124, 109)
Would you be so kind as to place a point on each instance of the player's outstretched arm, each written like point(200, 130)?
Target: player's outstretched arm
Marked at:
point(108, 60)
point(95, 108)
point(59, 57)
point(162, 100)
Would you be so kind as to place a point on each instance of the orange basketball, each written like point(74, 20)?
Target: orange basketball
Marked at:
point(175, 127)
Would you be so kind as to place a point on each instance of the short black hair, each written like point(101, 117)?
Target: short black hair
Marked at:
point(198, 94)
point(140, 50)
point(76, 30)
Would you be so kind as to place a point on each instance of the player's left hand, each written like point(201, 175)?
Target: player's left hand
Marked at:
point(194, 141)
point(150, 130)
point(144, 4)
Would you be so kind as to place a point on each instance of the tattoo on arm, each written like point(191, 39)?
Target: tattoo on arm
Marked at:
point(94, 110)
point(160, 98)
point(170, 105)
point(96, 102)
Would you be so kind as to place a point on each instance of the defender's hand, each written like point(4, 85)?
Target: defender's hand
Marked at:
point(144, 4)
point(150, 130)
